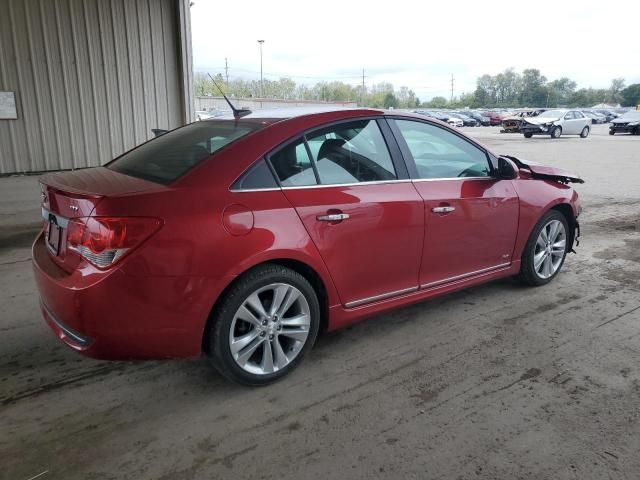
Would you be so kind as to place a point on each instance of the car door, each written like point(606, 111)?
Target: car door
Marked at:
point(471, 217)
point(359, 207)
point(571, 124)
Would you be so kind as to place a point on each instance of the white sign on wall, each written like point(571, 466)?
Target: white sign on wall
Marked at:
point(8, 109)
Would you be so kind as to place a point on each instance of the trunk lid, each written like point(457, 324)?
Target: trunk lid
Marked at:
point(69, 195)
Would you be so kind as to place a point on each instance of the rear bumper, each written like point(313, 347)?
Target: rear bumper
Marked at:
point(115, 315)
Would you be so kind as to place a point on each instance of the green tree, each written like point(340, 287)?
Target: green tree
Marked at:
point(631, 95)
point(615, 91)
point(390, 100)
point(534, 92)
point(560, 91)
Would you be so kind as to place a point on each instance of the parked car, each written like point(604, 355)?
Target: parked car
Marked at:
point(607, 113)
point(203, 115)
point(467, 121)
point(596, 118)
point(481, 119)
point(243, 237)
point(556, 123)
point(511, 123)
point(629, 122)
point(495, 118)
point(454, 120)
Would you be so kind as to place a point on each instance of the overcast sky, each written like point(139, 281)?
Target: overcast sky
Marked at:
point(419, 44)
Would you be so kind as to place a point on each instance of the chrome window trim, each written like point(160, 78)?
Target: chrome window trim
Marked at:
point(269, 189)
point(355, 184)
point(382, 296)
point(452, 178)
point(464, 275)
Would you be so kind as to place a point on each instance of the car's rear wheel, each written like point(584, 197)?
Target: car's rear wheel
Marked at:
point(528, 135)
point(264, 325)
point(545, 250)
point(584, 133)
point(556, 132)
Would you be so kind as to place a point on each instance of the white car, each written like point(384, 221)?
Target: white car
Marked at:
point(455, 122)
point(203, 115)
point(556, 123)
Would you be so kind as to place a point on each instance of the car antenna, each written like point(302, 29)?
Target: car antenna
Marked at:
point(237, 112)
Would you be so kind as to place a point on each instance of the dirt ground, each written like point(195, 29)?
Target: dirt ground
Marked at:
point(497, 382)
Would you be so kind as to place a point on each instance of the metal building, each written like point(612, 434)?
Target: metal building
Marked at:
point(82, 81)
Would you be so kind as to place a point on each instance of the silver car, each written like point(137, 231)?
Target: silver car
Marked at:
point(556, 123)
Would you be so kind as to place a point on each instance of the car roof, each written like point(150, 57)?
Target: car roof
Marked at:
point(271, 115)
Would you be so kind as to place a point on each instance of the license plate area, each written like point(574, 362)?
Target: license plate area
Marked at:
point(54, 234)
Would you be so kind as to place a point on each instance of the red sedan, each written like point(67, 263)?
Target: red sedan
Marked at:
point(244, 237)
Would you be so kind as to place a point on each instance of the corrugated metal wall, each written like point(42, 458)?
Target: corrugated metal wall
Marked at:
point(92, 78)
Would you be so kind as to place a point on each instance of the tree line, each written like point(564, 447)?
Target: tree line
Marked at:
point(506, 89)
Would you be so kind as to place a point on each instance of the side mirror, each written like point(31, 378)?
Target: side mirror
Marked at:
point(506, 169)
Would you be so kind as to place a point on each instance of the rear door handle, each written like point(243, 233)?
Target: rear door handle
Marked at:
point(443, 209)
point(333, 217)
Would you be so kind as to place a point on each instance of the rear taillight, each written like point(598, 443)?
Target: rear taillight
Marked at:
point(105, 240)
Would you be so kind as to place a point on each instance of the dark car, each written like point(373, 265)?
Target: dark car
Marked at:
point(466, 120)
point(627, 123)
point(243, 237)
point(607, 113)
point(481, 119)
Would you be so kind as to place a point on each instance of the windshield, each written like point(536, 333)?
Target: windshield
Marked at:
point(551, 114)
point(632, 115)
point(169, 156)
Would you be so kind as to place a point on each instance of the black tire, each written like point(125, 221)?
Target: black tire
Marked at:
point(611, 132)
point(528, 275)
point(556, 132)
point(217, 337)
point(584, 133)
point(528, 135)
point(635, 131)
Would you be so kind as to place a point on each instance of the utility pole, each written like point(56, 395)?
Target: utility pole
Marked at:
point(362, 92)
point(452, 80)
point(261, 80)
point(226, 71)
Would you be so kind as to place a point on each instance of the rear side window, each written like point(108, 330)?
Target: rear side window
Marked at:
point(293, 165)
point(351, 153)
point(258, 177)
point(169, 156)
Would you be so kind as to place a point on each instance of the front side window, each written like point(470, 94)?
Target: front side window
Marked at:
point(439, 153)
point(350, 153)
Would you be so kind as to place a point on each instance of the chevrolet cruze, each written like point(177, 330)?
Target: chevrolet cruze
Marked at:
point(244, 237)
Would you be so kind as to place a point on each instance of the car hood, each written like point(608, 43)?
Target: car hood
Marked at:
point(625, 120)
point(546, 172)
point(540, 121)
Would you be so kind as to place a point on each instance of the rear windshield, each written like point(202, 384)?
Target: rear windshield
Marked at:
point(169, 156)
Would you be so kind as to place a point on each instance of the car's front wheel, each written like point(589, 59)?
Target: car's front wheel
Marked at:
point(264, 325)
point(556, 132)
point(528, 135)
point(584, 133)
point(611, 132)
point(545, 250)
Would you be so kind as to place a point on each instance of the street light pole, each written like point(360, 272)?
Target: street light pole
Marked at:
point(261, 80)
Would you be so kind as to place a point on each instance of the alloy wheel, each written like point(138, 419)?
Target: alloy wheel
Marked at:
point(270, 329)
point(550, 249)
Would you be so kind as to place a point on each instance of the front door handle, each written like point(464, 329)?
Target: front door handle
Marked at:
point(333, 217)
point(443, 209)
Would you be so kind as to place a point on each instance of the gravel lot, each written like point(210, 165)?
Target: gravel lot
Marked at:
point(499, 381)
